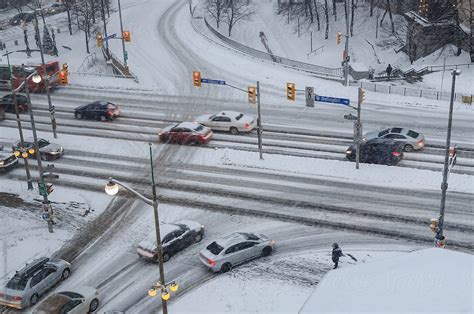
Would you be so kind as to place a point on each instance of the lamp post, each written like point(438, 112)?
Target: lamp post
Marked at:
point(439, 237)
point(112, 188)
point(123, 40)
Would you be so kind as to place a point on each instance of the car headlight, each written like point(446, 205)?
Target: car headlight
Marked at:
point(348, 151)
point(2, 162)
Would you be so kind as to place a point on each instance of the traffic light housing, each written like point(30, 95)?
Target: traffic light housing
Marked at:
point(452, 151)
point(126, 36)
point(100, 40)
point(197, 78)
point(62, 77)
point(49, 189)
point(252, 94)
point(434, 224)
point(290, 91)
point(65, 67)
point(361, 95)
point(338, 37)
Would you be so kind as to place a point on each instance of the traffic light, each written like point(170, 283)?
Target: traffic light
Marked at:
point(290, 91)
point(338, 37)
point(62, 77)
point(197, 78)
point(252, 93)
point(453, 151)
point(126, 36)
point(434, 224)
point(65, 67)
point(361, 95)
point(99, 39)
point(50, 189)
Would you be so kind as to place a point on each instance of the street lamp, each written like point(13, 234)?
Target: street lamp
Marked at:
point(440, 240)
point(112, 188)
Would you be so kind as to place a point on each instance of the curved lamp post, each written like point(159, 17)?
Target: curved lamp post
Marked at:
point(112, 188)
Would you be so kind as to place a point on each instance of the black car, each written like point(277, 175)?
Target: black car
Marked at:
point(98, 110)
point(23, 16)
point(8, 160)
point(175, 237)
point(377, 151)
point(6, 103)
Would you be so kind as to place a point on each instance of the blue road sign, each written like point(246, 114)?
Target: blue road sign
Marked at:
point(333, 100)
point(209, 81)
point(110, 36)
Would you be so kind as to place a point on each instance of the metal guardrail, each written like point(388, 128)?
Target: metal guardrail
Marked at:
point(334, 72)
point(414, 92)
point(119, 69)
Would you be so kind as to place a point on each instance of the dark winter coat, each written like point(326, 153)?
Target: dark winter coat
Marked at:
point(336, 253)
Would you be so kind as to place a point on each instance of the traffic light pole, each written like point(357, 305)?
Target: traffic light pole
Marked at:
point(38, 157)
point(358, 133)
point(123, 40)
point(259, 122)
point(444, 185)
point(46, 79)
point(346, 49)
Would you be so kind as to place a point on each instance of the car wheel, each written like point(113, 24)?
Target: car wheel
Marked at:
point(103, 118)
point(226, 267)
point(198, 238)
point(266, 251)
point(166, 257)
point(408, 148)
point(94, 305)
point(234, 130)
point(66, 273)
point(78, 116)
point(34, 299)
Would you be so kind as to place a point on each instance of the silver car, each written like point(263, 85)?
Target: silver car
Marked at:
point(82, 300)
point(32, 281)
point(229, 121)
point(48, 150)
point(234, 249)
point(412, 140)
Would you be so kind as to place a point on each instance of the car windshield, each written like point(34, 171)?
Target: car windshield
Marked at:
point(396, 130)
point(413, 134)
point(239, 117)
point(383, 132)
point(17, 283)
point(199, 128)
point(72, 295)
point(213, 116)
point(250, 236)
point(215, 248)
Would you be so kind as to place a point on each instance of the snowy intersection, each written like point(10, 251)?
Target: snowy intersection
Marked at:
point(303, 194)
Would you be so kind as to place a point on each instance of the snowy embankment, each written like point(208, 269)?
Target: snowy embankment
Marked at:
point(377, 175)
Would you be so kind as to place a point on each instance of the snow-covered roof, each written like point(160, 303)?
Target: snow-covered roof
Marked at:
point(429, 281)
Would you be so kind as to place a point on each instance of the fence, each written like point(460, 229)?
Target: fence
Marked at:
point(414, 92)
point(334, 72)
point(119, 69)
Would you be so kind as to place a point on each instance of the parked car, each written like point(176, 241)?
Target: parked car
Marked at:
point(54, 8)
point(231, 121)
point(411, 140)
point(8, 160)
point(98, 110)
point(6, 102)
point(48, 151)
point(23, 16)
point(186, 133)
point(234, 249)
point(28, 284)
point(377, 151)
point(175, 237)
point(82, 300)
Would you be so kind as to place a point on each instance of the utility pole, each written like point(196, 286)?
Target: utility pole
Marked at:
point(259, 122)
point(123, 40)
point(346, 49)
point(157, 231)
point(358, 129)
point(105, 28)
point(444, 185)
point(38, 158)
point(46, 79)
point(18, 121)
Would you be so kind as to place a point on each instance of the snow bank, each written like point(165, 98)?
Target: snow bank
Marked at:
point(429, 281)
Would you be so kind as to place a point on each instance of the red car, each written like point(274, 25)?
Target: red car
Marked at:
point(186, 133)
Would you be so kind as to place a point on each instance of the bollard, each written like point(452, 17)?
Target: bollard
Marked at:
point(16, 42)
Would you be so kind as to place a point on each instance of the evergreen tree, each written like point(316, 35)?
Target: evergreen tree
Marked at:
point(48, 45)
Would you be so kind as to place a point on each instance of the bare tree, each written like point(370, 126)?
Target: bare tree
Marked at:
point(68, 4)
point(316, 12)
point(36, 6)
point(19, 4)
point(236, 11)
point(334, 9)
point(352, 17)
point(326, 12)
point(83, 13)
point(216, 8)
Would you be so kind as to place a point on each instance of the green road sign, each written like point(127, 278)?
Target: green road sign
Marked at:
point(42, 189)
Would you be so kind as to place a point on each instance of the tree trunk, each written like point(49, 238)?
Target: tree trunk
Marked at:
point(389, 9)
point(326, 11)
point(352, 17)
point(317, 15)
point(93, 11)
point(68, 11)
point(371, 8)
point(311, 17)
point(334, 9)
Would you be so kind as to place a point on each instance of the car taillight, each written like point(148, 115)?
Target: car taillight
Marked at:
point(421, 143)
point(211, 262)
point(246, 125)
point(109, 112)
point(396, 154)
point(16, 298)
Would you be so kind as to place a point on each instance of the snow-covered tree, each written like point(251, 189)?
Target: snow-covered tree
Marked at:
point(236, 11)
